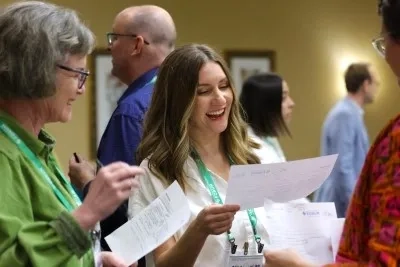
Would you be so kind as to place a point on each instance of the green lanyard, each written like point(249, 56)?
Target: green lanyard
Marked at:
point(38, 164)
point(152, 81)
point(209, 183)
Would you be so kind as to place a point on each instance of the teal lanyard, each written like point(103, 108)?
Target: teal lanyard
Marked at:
point(209, 183)
point(38, 165)
point(152, 81)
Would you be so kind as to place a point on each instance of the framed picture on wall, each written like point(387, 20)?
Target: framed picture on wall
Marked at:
point(106, 91)
point(244, 63)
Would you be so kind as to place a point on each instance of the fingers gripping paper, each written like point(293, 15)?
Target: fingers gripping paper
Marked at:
point(151, 227)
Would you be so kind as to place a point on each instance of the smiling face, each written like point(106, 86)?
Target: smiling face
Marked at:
point(59, 106)
point(213, 101)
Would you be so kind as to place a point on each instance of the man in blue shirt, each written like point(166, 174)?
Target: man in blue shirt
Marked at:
point(141, 39)
point(344, 133)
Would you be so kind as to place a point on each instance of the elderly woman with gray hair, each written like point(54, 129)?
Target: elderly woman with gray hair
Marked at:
point(43, 49)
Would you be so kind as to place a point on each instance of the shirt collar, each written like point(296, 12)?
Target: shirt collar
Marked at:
point(355, 105)
point(42, 145)
point(139, 83)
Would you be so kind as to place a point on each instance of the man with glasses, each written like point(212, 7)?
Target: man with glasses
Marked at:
point(141, 38)
point(371, 234)
point(344, 133)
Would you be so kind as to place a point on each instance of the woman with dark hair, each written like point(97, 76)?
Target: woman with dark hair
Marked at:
point(371, 234)
point(267, 108)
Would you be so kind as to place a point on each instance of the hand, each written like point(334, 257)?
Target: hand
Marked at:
point(112, 186)
point(109, 259)
point(285, 257)
point(216, 219)
point(81, 172)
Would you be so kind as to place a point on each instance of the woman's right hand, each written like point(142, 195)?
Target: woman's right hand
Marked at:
point(216, 219)
point(111, 187)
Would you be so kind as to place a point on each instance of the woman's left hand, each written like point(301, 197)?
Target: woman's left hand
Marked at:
point(111, 260)
point(285, 257)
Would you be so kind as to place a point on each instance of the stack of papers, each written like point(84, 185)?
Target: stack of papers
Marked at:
point(304, 227)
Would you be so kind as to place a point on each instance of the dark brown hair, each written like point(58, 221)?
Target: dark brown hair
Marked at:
point(355, 75)
point(261, 99)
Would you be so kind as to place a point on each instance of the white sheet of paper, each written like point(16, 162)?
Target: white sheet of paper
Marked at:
point(245, 261)
point(304, 227)
point(151, 227)
point(249, 185)
point(336, 234)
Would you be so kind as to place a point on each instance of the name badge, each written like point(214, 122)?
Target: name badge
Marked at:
point(246, 261)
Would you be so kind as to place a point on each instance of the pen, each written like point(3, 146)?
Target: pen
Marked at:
point(98, 165)
point(76, 158)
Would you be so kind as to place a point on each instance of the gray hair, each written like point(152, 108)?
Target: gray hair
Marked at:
point(34, 38)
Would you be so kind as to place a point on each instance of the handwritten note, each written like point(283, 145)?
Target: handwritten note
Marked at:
point(336, 234)
point(303, 227)
point(249, 185)
point(151, 227)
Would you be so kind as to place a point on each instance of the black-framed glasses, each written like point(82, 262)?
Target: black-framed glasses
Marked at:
point(82, 74)
point(379, 44)
point(112, 36)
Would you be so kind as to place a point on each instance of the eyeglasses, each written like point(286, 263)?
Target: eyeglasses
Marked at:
point(379, 45)
point(82, 74)
point(111, 37)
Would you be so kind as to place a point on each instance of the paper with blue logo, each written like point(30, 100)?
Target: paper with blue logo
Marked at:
point(304, 227)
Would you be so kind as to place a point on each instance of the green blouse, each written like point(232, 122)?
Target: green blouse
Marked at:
point(35, 228)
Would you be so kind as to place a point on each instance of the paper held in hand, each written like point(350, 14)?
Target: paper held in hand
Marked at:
point(151, 227)
point(249, 185)
point(304, 227)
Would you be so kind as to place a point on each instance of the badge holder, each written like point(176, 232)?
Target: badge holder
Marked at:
point(245, 260)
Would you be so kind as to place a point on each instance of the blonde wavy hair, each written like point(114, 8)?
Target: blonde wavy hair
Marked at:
point(166, 143)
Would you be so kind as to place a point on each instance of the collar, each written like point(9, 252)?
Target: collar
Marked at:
point(42, 145)
point(140, 82)
point(355, 105)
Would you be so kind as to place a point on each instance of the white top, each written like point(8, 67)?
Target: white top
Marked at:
point(216, 248)
point(270, 150)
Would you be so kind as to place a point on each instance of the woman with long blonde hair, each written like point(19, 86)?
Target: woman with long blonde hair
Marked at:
point(193, 132)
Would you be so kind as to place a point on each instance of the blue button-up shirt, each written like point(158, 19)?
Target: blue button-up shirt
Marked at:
point(344, 133)
point(121, 139)
point(124, 130)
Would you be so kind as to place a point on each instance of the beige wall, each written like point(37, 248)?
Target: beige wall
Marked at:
point(313, 39)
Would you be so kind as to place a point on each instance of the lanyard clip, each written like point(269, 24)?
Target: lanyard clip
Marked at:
point(246, 248)
point(233, 246)
point(95, 235)
point(260, 246)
